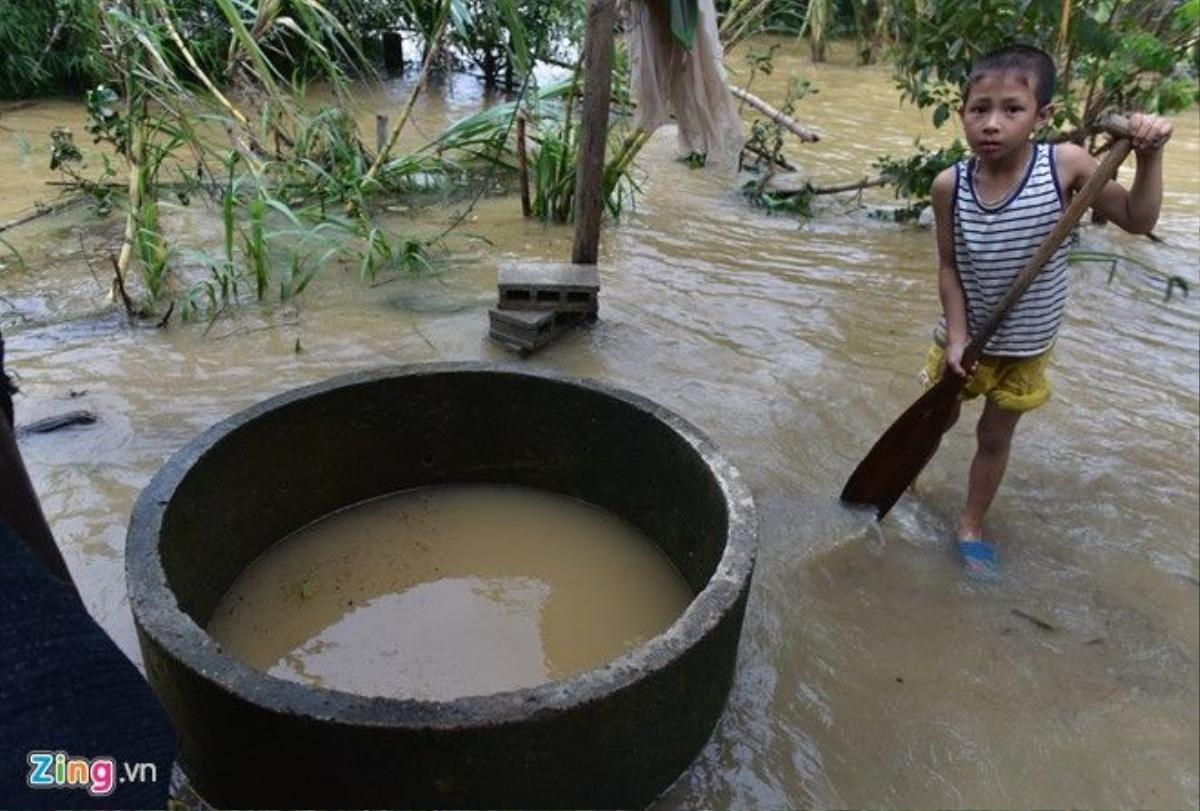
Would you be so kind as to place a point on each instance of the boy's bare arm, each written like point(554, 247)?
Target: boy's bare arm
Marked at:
point(1136, 209)
point(954, 301)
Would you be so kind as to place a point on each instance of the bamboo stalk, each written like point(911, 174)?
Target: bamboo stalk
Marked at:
point(200, 74)
point(134, 155)
point(628, 150)
point(731, 36)
point(434, 46)
point(785, 121)
point(1064, 24)
point(563, 214)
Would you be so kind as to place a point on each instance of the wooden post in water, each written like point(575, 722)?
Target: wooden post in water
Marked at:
point(381, 132)
point(593, 133)
point(393, 52)
point(523, 166)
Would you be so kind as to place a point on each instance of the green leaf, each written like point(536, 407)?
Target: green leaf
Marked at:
point(516, 33)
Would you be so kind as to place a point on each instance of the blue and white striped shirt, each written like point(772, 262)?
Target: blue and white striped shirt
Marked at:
point(992, 246)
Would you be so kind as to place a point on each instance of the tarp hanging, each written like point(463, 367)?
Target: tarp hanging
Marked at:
point(690, 81)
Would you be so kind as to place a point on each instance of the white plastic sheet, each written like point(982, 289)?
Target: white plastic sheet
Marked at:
point(666, 78)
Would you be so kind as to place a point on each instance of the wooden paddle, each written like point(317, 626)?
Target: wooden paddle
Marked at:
point(900, 454)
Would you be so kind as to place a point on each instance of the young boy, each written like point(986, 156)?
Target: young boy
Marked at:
point(991, 213)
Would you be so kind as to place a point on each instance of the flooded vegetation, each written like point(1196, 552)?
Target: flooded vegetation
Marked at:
point(871, 673)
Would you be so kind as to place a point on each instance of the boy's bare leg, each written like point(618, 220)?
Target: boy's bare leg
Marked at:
point(994, 435)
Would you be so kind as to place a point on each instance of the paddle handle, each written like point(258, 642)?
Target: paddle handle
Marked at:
point(1114, 124)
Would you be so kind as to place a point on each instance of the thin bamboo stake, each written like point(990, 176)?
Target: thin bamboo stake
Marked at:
point(523, 167)
point(786, 121)
point(434, 46)
point(381, 131)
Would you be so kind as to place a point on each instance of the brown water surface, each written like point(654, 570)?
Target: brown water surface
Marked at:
point(446, 592)
point(871, 673)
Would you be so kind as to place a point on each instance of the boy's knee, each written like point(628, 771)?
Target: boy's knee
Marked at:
point(995, 438)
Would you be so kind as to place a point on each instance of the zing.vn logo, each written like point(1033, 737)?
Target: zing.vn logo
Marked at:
point(98, 775)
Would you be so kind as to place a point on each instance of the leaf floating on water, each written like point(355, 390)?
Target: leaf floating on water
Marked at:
point(307, 588)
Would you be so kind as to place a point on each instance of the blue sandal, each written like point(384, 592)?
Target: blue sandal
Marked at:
point(979, 559)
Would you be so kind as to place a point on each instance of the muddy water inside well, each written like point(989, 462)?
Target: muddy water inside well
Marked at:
point(871, 673)
point(446, 592)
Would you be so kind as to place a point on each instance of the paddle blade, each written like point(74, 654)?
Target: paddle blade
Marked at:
point(900, 454)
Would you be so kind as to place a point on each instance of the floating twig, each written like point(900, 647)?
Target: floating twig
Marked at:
point(1036, 621)
point(865, 183)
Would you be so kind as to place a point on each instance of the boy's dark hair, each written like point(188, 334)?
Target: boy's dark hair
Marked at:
point(1019, 59)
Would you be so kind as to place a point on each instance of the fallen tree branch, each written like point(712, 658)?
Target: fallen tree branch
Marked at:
point(778, 160)
point(40, 212)
point(865, 183)
point(785, 121)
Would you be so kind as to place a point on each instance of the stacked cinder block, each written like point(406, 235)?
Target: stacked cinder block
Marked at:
point(537, 301)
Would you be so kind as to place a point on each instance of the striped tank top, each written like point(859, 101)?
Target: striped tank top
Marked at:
point(992, 245)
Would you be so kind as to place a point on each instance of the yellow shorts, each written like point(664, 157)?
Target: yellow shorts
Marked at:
point(1014, 384)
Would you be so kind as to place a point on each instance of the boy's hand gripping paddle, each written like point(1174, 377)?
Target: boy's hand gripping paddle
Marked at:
point(900, 454)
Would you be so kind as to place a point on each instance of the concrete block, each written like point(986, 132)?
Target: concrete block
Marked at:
point(561, 287)
point(522, 330)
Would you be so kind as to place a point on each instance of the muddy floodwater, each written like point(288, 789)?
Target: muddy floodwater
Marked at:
point(871, 673)
point(445, 592)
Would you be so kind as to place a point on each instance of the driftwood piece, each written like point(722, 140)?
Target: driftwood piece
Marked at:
point(40, 212)
point(787, 122)
point(865, 183)
point(57, 421)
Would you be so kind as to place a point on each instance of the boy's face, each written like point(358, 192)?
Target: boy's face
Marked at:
point(1000, 113)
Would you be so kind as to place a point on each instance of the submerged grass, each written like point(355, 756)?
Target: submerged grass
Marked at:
point(241, 134)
